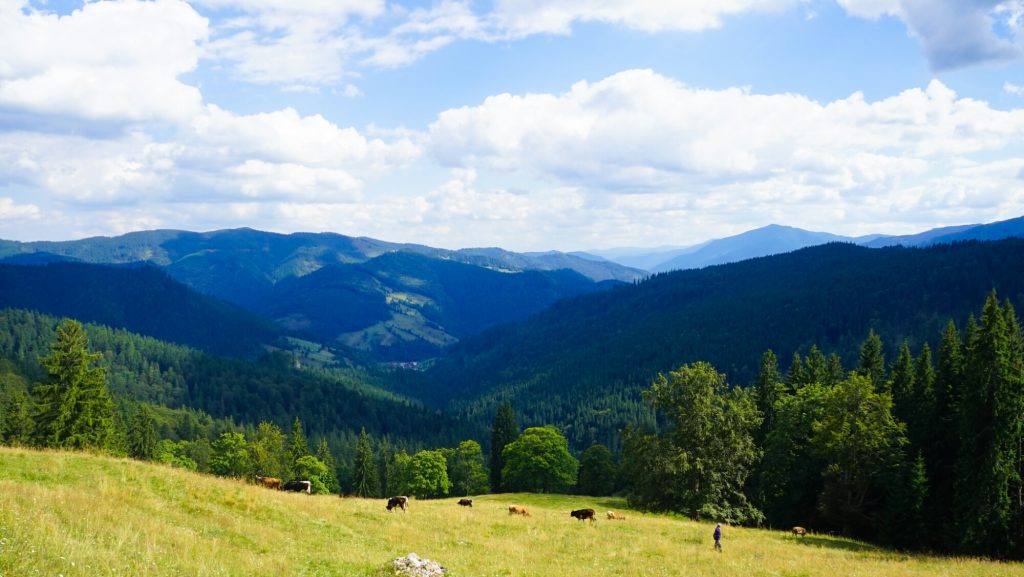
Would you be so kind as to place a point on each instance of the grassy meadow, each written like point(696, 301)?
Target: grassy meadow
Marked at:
point(71, 514)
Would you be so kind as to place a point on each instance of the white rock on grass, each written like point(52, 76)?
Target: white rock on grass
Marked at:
point(412, 566)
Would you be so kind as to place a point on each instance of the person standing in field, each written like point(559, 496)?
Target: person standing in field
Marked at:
point(718, 537)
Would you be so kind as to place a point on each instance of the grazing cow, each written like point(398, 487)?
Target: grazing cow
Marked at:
point(400, 502)
point(518, 510)
point(466, 502)
point(799, 531)
point(268, 482)
point(583, 514)
point(298, 487)
point(616, 516)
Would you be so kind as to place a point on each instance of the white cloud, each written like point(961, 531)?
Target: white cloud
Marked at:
point(1010, 88)
point(518, 18)
point(11, 210)
point(652, 156)
point(107, 61)
point(954, 33)
point(641, 131)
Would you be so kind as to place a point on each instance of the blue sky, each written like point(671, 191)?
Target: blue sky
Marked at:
point(517, 123)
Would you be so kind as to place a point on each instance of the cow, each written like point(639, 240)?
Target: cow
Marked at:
point(518, 510)
point(583, 514)
point(799, 531)
point(612, 515)
point(400, 502)
point(466, 502)
point(298, 487)
point(268, 482)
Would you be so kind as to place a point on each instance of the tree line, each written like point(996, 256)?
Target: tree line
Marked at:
point(921, 453)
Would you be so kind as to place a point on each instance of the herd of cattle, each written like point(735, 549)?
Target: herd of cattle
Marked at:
point(400, 502)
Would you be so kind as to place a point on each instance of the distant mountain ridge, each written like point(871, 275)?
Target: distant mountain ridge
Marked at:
point(777, 239)
point(395, 301)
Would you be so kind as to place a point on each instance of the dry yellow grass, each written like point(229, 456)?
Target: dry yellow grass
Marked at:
point(72, 514)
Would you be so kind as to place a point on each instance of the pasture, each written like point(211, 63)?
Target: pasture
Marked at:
point(72, 514)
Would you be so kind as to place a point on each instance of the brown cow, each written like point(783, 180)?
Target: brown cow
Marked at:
point(518, 510)
point(583, 514)
point(466, 502)
point(799, 531)
point(616, 516)
point(268, 482)
point(400, 502)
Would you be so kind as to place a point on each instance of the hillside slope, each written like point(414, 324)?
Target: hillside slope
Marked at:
point(142, 299)
point(581, 363)
point(768, 240)
point(79, 515)
point(404, 306)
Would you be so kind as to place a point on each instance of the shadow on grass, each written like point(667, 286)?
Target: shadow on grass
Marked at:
point(833, 543)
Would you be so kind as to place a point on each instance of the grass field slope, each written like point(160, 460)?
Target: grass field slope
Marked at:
point(75, 514)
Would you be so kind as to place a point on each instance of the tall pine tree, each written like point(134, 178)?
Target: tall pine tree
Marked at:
point(74, 409)
point(871, 361)
point(990, 419)
point(365, 481)
point(504, 431)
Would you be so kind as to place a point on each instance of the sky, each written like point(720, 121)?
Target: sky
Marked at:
point(524, 124)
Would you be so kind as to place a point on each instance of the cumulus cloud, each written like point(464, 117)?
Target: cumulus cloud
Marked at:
point(954, 33)
point(11, 210)
point(638, 130)
point(107, 61)
point(655, 150)
point(1010, 88)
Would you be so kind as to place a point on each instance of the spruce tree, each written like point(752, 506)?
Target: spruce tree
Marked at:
point(298, 447)
point(768, 390)
point(796, 376)
point(504, 431)
point(366, 483)
point(901, 383)
point(923, 426)
point(816, 366)
point(871, 362)
point(142, 435)
point(17, 420)
point(989, 416)
point(74, 409)
point(835, 372)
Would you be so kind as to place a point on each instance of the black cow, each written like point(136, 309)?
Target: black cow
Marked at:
point(466, 502)
point(583, 514)
point(400, 502)
point(298, 487)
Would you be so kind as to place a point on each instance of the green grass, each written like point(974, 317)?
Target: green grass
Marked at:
point(74, 514)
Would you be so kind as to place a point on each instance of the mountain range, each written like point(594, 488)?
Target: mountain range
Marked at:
point(777, 239)
point(394, 301)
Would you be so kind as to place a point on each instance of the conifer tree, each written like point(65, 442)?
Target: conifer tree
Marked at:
point(298, 446)
point(365, 480)
point(871, 362)
point(901, 383)
point(74, 409)
point(142, 435)
point(989, 416)
point(768, 390)
point(796, 376)
point(923, 425)
point(835, 372)
point(17, 420)
point(504, 431)
point(816, 366)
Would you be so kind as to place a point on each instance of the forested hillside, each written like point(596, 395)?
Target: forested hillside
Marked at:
point(246, 392)
point(405, 306)
point(581, 363)
point(141, 299)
